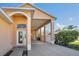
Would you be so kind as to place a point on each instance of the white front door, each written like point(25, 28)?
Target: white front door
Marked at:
point(21, 38)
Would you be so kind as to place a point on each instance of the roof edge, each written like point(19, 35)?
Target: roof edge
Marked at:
point(39, 9)
point(9, 19)
point(17, 8)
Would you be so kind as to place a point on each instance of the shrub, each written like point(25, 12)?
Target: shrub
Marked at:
point(74, 45)
point(66, 36)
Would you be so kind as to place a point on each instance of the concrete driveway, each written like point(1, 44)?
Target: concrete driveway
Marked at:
point(46, 49)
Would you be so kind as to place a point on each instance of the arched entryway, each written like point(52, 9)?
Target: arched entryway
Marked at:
point(21, 31)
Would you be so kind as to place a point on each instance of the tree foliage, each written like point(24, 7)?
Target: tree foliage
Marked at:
point(65, 36)
point(71, 27)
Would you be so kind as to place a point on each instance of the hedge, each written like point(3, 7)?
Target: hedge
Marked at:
point(65, 36)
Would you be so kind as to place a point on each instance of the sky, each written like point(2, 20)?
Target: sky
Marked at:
point(66, 14)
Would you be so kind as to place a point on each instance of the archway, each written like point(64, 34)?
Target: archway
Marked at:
point(21, 31)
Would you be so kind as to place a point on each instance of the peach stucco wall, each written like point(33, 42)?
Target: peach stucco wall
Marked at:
point(5, 36)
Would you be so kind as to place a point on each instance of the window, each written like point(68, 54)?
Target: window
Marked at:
point(21, 25)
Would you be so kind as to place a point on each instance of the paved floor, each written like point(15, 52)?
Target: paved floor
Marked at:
point(46, 49)
point(18, 51)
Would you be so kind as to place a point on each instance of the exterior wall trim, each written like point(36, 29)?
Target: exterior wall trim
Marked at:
point(18, 8)
point(9, 19)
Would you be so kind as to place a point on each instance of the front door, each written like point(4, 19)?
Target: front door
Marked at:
point(21, 38)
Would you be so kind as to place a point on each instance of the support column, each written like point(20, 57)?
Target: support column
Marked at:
point(29, 34)
point(52, 32)
point(34, 35)
point(40, 34)
point(44, 34)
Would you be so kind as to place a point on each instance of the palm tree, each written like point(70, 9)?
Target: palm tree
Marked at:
point(71, 27)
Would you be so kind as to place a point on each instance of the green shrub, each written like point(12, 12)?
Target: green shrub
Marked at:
point(66, 36)
point(74, 45)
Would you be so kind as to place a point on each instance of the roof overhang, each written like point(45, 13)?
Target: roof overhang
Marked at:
point(34, 6)
point(8, 19)
point(18, 8)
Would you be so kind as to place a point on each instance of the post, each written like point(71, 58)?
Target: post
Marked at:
point(35, 35)
point(29, 34)
point(44, 33)
point(52, 32)
point(40, 34)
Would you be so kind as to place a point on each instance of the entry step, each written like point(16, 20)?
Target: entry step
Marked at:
point(19, 51)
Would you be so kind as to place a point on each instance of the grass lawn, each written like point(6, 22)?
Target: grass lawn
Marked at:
point(75, 42)
point(74, 45)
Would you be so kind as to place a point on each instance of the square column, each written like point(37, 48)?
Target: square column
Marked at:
point(34, 35)
point(40, 34)
point(29, 33)
point(44, 33)
point(52, 32)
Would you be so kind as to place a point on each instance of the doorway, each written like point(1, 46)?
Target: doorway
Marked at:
point(21, 38)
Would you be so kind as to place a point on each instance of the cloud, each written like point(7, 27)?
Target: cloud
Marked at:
point(60, 26)
point(71, 19)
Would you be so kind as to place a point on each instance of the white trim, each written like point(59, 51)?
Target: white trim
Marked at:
point(28, 47)
point(18, 8)
point(6, 16)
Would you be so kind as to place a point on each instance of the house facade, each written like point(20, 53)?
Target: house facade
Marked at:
point(19, 25)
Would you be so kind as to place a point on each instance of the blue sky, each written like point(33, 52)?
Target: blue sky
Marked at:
point(67, 14)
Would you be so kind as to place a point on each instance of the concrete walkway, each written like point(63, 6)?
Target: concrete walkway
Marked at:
point(46, 49)
point(18, 51)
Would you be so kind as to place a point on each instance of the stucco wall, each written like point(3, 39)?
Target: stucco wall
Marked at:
point(5, 37)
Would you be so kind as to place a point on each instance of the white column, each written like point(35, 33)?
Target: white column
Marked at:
point(34, 35)
point(52, 32)
point(40, 34)
point(29, 33)
point(44, 33)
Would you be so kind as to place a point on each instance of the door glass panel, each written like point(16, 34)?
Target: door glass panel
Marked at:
point(20, 37)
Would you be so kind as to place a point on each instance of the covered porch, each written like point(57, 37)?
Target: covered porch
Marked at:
point(39, 30)
point(35, 20)
point(27, 25)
